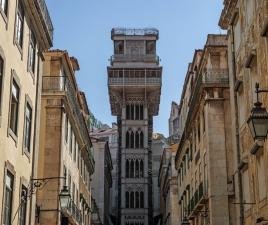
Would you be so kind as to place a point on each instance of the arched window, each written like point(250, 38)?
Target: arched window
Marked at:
point(141, 199)
point(137, 139)
point(127, 199)
point(127, 168)
point(137, 200)
point(132, 139)
point(132, 197)
point(141, 139)
point(127, 139)
point(137, 168)
point(131, 168)
point(141, 168)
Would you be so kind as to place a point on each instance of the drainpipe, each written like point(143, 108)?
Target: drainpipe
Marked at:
point(35, 138)
point(237, 137)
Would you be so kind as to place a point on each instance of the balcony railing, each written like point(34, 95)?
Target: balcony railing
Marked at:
point(46, 17)
point(135, 81)
point(216, 76)
point(197, 198)
point(74, 212)
point(135, 58)
point(61, 84)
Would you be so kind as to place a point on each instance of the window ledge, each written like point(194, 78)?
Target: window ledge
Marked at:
point(19, 48)
point(4, 17)
point(13, 135)
point(26, 153)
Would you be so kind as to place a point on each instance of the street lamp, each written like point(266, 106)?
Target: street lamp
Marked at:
point(64, 195)
point(258, 120)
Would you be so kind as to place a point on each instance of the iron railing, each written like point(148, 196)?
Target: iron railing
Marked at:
point(135, 58)
point(197, 196)
point(74, 212)
point(46, 17)
point(133, 31)
point(54, 84)
point(141, 81)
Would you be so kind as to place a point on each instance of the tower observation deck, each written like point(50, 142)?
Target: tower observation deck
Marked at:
point(134, 82)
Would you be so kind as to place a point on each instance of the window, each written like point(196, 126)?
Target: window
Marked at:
point(8, 198)
point(127, 168)
point(4, 5)
point(28, 125)
point(127, 199)
point(1, 76)
point(137, 199)
point(32, 52)
point(19, 24)
point(141, 200)
point(15, 93)
point(150, 47)
point(141, 168)
point(23, 206)
point(119, 47)
point(66, 128)
point(71, 142)
point(261, 176)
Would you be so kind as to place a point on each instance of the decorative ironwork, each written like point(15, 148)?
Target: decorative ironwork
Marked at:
point(133, 31)
point(135, 58)
point(53, 84)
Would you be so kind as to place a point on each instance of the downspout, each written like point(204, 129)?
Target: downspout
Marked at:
point(237, 137)
point(35, 139)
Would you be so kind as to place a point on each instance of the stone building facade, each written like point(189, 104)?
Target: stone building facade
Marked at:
point(111, 134)
point(174, 123)
point(168, 185)
point(134, 82)
point(247, 25)
point(65, 144)
point(102, 180)
point(159, 142)
point(25, 32)
point(204, 155)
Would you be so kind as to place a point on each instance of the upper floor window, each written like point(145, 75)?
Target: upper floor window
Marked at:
point(4, 5)
point(23, 206)
point(134, 112)
point(1, 77)
point(9, 181)
point(19, 24)
point(32, 52)
point(28, 125)
point(14, 107)
point(150, 47)
point(66, 128)
point(119, 47)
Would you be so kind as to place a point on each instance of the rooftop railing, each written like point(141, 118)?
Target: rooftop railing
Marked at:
point(133, 31)
point(56, 84)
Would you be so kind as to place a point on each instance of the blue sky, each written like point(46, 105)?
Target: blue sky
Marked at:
point(82, 27)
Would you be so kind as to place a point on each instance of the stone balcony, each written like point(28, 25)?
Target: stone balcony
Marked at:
point(37, 9)
point(61, 86)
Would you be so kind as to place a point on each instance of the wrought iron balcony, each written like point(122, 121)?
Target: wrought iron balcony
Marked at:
point(46, 17)
point(74, 213)
point(198, 199)
point(134, 58)
point(38, 9)
point(61, 85)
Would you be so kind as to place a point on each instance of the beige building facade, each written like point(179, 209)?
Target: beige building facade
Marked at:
point(204, 155)
point(168, 185)
point(25, 32)
point(246, 24)
point(65, 144)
